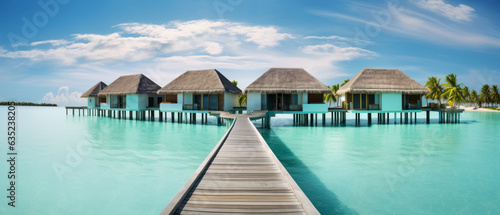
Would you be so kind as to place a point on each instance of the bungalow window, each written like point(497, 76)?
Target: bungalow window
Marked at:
point(263, 100)
point(355, 101)
point(171, 98)
point(158, 100)
point(412, 101)
point(102, 99)
point(371, 99)
point(154, 101)
point(363, 101)
point(315, 99)
point(151, 101)
point(295, 99)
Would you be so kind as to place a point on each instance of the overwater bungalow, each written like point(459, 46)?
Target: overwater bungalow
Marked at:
point(199, 91)
point(386, 90)
point(287, 90)
point(93, 101)
point(131, 92)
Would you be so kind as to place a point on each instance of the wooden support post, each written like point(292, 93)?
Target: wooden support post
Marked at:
point(369, 118)
point(388, 118)
point(344, 118)
point(427, 117)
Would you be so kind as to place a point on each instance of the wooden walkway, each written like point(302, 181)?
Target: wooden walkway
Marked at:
point(241, 175)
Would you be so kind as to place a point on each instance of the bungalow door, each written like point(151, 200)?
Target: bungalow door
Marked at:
point(271, 101)
point(197, 102)
point(279, 101)
point(205, 102)
point(213, 102)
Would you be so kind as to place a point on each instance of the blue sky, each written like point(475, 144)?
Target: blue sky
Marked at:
point(55, 51)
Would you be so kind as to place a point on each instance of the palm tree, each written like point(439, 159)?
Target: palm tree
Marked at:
point(466, 94)
point(434, 85)
point(335, 88)
point(242, 100)
point(345, 82)
point(453, 91)
point(485, 95)
point(329, 98)
point(474, 98)
point(494, 95)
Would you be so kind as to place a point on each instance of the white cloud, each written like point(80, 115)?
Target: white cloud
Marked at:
point(64, 97)
point(456, 13)
point(320, 60)
point(213, 48)
point(417, 25)
point(51, 42)
point(162, 52)
point(328, 38)
point(337, 53)
point(420, 26)
point(338, 38)
point(136, 41)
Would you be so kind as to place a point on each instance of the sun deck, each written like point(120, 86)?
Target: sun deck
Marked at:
point(241, 175)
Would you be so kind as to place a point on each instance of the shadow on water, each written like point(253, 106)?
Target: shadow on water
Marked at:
point(323, 199)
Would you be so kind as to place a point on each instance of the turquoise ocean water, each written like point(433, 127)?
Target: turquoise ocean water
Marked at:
point(95, 165)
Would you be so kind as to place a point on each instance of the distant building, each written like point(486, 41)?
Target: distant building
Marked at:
point(382, 90)
point(131, 92)
point(287, 89)
point(93, 101)
point(199, 90)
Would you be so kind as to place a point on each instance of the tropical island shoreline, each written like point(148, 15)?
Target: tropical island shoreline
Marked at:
point(478, 109)
point(28, 104)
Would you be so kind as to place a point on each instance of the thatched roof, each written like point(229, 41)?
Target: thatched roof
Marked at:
point(382, 80)
point(287, 80)
point(131, 84)
point(93, 91)
point(200, 81)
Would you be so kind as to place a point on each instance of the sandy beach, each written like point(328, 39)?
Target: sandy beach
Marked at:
point(478, 109)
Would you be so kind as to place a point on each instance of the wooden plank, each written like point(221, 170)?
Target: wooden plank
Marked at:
point(194, 210)
point(252, 210)
point(245, 193)
point(238, 198)
point(243, 204)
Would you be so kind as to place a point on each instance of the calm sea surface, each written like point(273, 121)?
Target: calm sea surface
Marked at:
point(95, 165)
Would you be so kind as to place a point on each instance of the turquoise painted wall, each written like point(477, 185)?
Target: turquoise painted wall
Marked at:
point(391, 102)
point(137, 101)
point(91, 102)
